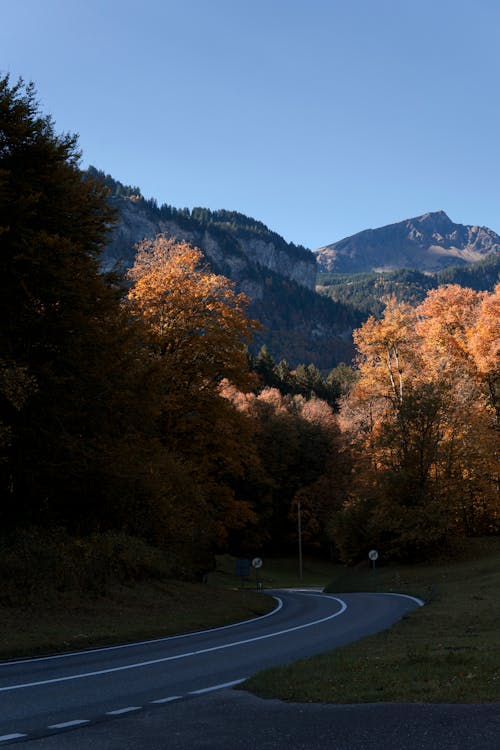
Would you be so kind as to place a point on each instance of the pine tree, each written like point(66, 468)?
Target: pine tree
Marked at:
point(64, 337)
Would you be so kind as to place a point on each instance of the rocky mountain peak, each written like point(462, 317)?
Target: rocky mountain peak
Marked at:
point(427, 243)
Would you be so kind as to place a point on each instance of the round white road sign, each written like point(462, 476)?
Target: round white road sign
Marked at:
point(373, 555)
point(257, 562)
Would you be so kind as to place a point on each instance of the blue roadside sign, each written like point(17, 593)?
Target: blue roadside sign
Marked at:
point(243, 568)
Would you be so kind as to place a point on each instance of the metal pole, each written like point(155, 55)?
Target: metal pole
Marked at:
point(300, 538)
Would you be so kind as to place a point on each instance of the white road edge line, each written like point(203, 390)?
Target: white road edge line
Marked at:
point(15, 736)
point(217, 687)
point(85, 651)
point(167, 700)
point(65, 724)
point(138, 665)
point(120, 711)
point(405, 596)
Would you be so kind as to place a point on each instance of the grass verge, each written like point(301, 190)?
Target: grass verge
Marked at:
point(72, 601)
point(126, 613)
point(276, 572)
point(445, 652)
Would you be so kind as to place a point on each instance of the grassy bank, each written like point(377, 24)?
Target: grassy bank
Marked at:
point(125, 613)
point(60, 593)
point(60, 597)
point(277, 572)
point(447, 651)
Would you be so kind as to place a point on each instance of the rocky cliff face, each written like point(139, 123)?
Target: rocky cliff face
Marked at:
point(427, 243)
point(237, 252)
point(279, 277)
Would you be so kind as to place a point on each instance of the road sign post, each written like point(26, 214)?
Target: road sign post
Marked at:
point(373, 555)
point(257, 565)
point(299, 532)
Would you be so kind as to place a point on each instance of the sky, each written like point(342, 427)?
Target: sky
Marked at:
point(320, 118)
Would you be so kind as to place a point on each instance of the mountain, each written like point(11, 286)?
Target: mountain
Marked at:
point(426, 243)
point(278, 277)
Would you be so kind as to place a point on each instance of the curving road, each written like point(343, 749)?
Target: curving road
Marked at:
point(53, 695)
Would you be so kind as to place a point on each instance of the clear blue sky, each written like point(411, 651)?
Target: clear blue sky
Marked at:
point(318, 117)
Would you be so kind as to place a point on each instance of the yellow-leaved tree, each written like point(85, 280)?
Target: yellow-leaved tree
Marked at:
point(420, 420)
point(197, 327)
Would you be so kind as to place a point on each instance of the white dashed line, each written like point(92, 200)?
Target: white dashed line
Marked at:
point(65, 724)
point(167, 700)
point(120, 711)
point(7, 737)
point(217, 687)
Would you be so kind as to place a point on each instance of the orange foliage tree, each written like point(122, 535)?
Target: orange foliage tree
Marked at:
point(420, 424)
point(197, 327)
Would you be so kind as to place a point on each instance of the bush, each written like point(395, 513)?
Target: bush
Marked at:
point(39, 563)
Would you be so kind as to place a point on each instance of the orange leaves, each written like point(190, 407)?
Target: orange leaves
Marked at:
point(387, 351)
point(445, 318)
point(420, 416)
point(484, 347)
point(197, 326)
point(193, 315)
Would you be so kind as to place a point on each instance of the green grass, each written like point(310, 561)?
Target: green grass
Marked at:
point(277, 572)
point(125, 613)
point(61, 621)
point(445, 652)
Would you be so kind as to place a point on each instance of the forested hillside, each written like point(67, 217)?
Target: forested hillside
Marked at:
point(121, 422)
point(138, 436)
point(278, 277)
point(367, 292)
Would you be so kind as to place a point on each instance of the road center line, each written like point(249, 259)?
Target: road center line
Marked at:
point(167, 700)
point(14, 736)
point(138, 665)
point(120, 711)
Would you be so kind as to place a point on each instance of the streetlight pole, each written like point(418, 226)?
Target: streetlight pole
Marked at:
point(299, 528)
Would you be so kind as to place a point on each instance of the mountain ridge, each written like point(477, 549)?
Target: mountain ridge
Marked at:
point(278, 277)
point(429, 242)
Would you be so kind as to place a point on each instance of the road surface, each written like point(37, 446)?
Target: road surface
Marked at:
point(71, 693)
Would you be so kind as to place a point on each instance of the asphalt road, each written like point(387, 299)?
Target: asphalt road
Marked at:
point(235, 720)
point(66, 699)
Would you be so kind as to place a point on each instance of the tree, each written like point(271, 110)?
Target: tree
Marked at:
point(297, 447)
point(63, 333)
point(460, 334)
point(197, 328)
point(419, 423)
point(264, 366)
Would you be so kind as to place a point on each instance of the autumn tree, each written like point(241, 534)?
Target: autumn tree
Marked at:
point(459, 332)
point(391, 420)
point(297, 449)
point(419, 423)
point(197, 328)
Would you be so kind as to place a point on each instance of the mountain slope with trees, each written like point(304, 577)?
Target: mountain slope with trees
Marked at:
point(133, 433)
point(138, 437)
point(368, 292)
point(278, 277)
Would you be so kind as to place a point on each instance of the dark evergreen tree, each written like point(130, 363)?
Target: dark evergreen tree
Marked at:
point(64, 337)
point(284, 377)
point(264, 366)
